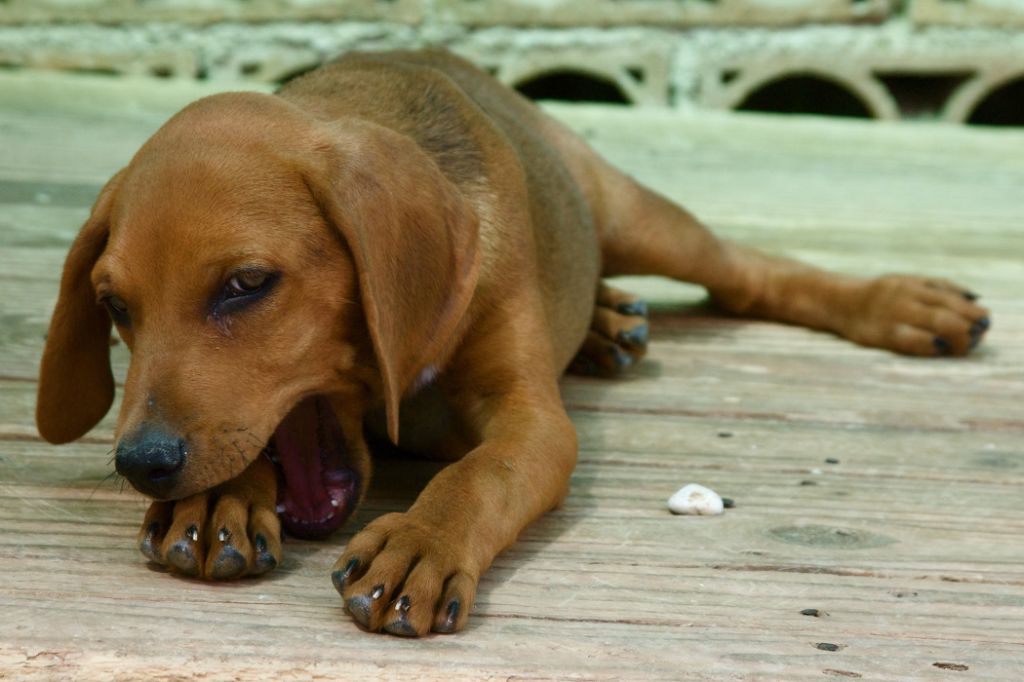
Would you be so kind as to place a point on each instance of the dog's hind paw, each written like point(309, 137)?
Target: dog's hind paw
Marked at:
point(915, 316)
point(225, 533)
point(617, 338)
point(397, 576)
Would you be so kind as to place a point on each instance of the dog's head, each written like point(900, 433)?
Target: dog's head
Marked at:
point(273, 276)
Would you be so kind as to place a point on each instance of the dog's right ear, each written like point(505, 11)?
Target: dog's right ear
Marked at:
point(414, 239)
point(76, 386)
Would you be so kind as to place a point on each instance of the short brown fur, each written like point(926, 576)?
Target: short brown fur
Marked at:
point(430, 227)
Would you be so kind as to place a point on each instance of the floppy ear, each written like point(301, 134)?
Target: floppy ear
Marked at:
point(76, 385)
point(414, 240)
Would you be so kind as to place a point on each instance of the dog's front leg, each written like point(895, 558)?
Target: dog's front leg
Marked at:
point(411, 573)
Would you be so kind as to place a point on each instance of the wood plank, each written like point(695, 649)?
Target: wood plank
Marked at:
point(911, 544)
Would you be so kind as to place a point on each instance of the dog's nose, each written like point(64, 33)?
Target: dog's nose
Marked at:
point(151, 459)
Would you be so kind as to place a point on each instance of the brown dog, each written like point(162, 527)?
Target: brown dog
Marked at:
point(393, 230)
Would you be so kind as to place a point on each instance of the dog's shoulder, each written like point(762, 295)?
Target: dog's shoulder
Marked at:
point(411, 93)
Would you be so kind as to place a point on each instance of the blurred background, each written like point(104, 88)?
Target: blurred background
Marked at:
point(960, 61)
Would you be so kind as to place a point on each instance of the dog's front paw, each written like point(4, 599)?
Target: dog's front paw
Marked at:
point(405, 577)
point(917, 316)
point(225, 533)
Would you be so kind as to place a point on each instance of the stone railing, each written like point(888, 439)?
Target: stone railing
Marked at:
point(953, 60)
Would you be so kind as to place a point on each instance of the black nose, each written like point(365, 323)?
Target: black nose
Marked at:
point(151, 459)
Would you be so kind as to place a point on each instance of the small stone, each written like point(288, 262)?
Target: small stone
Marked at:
point(728, 502)
point(827, 646)
point(695, 499)
point(831, 460)
point(810, 612)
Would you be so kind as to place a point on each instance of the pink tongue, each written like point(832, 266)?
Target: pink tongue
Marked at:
point(298, 450)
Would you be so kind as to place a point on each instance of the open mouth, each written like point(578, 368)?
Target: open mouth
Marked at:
point(316, 489)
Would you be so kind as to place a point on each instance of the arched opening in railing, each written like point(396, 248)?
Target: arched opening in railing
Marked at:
point(806, 94)
point(1004, 106)
point(572, 86)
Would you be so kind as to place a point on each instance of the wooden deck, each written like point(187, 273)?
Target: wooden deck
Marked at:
point(885, 492)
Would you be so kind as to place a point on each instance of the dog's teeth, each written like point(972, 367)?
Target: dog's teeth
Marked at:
point(378, 592)
point(223, 535)
point(334, 502)
point(280, 508)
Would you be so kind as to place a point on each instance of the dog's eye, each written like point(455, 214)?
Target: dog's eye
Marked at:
point(117, 308)
point(243, 289)
point(246, 283)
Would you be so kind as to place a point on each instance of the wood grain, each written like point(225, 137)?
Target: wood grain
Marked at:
point(885, 492)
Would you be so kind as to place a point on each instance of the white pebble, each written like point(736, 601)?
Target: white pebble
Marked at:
point(695, 499)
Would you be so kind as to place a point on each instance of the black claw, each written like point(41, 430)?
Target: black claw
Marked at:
point(149, 547)
point(264, 561)
point(182, 557)
point(451, 617)
point(359, 608)
point(978, 330)
point(637, 307)
point(341, 576)
point(338, 580)
point(621, 358)
point(401, 627)
point(637, 336)
point(941, 345)
point(229, 563)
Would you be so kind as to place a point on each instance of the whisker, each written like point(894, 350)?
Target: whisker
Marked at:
point(112, 474)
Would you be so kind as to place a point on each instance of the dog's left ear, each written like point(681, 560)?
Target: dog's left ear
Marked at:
point(414, 239)
point(76, 386)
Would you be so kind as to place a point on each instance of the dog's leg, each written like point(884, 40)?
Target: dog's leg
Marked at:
point(644, 233)
point(410, 573)
point(617, 337)
point(220, 534)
